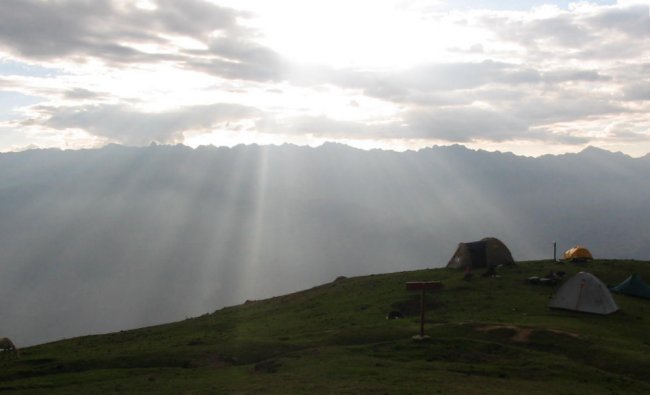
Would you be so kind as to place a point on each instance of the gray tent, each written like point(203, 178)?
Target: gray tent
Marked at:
point(488, 252)
point(584, 292)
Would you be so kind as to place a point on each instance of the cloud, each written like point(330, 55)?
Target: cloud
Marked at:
point(320, 126)
point(552, 136)
point(45, 30)
point(632, 21)
point(457, 83)
point(627, 131)
point(192, 18)
point(567, 107)
point(574, 75)
point(464, 124)
point(638, 91)
point(504, 76)
point(239, 59)
point(437, 77)
point(120, 34)
point(35, 86)
point(125, 125)
point(81, 94)
point(454, 124)
point(464, 75)
point(567, 67)
point(596, 33)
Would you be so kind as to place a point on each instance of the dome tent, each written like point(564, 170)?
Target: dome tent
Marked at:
point(488, 252)
point(634, 286)
point(578, 254)
point(586, 293)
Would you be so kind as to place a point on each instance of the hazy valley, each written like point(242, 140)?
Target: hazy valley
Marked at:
point(102, 240)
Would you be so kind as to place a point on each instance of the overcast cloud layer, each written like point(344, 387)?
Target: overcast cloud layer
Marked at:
point(402, 74)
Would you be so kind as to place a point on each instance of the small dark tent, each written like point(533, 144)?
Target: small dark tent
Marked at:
point(633, 285)
point(488, 252)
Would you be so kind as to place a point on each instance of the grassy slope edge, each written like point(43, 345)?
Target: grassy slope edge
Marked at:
point(488, 336)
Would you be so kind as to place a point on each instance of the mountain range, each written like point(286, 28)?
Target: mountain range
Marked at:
point(115, 238)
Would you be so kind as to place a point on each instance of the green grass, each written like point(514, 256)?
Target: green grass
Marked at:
point(335, 339)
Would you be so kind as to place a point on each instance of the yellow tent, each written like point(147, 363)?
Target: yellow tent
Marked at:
point(578, 254)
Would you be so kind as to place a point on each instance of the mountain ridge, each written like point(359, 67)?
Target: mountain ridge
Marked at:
point(182, 230)
point(459, 147)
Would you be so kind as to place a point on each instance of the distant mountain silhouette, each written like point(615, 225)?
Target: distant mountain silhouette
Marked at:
point(102, 240)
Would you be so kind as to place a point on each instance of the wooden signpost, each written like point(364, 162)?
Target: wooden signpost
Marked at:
point(422, 286)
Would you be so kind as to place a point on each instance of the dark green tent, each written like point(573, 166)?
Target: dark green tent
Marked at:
point(633, 285)
point(488, 252)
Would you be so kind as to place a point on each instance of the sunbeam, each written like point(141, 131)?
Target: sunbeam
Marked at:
point(103, 240)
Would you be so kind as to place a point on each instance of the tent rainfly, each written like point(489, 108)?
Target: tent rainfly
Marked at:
point(578, 254)
point(488, 252)
point(586, 293)
point(634, 286)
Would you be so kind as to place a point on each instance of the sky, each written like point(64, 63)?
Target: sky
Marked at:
point(529, 77)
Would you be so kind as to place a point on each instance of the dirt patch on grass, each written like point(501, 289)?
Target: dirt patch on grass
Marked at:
point(517, 333)
point(215, 360)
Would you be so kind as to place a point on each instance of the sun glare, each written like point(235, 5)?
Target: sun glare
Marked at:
point(361, 34)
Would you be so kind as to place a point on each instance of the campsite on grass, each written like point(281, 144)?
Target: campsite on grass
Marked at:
point(487, 335)
point(391, 197)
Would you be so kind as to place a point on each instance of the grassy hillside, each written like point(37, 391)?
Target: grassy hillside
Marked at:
point(488, 336)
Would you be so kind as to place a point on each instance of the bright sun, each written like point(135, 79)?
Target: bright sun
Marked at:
point(359, 34)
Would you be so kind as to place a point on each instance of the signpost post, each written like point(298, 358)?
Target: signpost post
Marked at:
point(422, 286)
